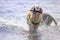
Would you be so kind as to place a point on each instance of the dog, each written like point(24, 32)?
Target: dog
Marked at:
point(47, 19)
point(36, 16)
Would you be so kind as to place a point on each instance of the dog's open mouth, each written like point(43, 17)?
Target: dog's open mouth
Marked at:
point(36, 11)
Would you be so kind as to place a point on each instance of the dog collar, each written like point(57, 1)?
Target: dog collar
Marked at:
point(33, 22)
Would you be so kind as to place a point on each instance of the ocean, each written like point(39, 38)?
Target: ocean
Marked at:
point(13, 24)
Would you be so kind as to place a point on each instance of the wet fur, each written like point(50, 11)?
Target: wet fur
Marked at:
point(46, 18)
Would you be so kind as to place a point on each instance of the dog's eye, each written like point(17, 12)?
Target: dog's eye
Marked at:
point(40, 10)
point(30, 10)
point(34, 10)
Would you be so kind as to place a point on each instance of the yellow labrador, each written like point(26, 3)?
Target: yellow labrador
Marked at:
point(35, 17)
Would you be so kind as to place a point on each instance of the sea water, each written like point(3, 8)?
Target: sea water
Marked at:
point(13, 24)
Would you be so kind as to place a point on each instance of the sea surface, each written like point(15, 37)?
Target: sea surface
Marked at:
point(13, 24)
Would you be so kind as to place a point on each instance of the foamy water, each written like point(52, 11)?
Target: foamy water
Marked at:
point(13, 24)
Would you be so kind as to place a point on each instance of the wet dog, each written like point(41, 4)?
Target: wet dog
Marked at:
point(36, 16)
point(47, 19)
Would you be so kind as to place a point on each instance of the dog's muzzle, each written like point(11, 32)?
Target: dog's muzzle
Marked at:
point(36, 11)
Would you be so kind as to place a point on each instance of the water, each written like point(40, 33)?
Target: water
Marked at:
point(13, 24)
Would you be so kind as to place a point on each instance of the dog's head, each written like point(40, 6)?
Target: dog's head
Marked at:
point(37, 13)
point(36, 9)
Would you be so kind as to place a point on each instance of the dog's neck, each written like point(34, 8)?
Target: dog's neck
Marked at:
point(36, 19)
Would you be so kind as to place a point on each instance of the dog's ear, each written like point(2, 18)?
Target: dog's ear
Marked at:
point(40, 10)
point(32, 8)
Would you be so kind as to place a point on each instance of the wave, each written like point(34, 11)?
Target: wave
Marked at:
point(12, 24)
